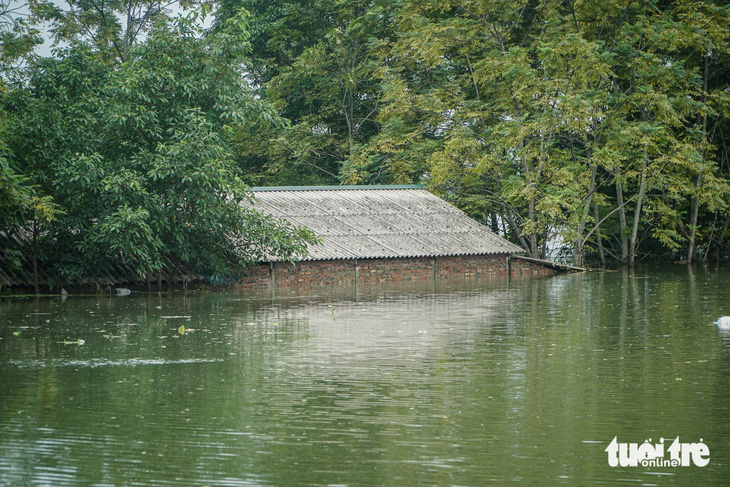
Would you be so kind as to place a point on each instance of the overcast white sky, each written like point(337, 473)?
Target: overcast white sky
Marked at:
point(45, 48)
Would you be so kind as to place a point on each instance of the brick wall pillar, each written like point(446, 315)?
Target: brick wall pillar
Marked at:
point(352, 271)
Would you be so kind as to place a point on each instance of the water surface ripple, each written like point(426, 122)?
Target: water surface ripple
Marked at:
point(468, 383)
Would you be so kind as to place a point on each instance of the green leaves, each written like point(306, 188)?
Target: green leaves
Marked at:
point(138, 155)
point(596, 125)
point(542, 113)
point(318, 63)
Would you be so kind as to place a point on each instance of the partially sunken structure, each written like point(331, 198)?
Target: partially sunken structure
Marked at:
point(381, 234)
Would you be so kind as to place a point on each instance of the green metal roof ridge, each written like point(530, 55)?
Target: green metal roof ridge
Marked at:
point(336, 188)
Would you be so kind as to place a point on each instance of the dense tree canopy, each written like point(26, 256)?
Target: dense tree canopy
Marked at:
point(134, 153)
point(597, 126)
point(319, 63)
point(600, 128)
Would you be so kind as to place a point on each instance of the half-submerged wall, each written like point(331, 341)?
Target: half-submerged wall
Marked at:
point(349, 271)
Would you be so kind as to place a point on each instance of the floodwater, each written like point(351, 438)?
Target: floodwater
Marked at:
point(461, 383)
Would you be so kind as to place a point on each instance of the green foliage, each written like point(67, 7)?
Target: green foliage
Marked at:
point(602, 126)
point(535, 117)
point(112, 28)
point(18, 36)
point(537, 113)
point(20, 199)
point(318, 63)
point(138, 155)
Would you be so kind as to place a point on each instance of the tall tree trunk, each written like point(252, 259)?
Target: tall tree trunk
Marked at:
point(533, 235)
point(721, 238)
point(710, 239)
point(622, 219)
point(599, 241)
point(578, 248)
point(692, 249)
point(578, 252)
point(516, 229)
point(543, 247)
point(476, 90)
point(350, 123)
point(637, 212)
point(493, 222)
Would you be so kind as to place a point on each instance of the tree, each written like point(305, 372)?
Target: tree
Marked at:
point(111, 27)
point(702, 44)
point(138, 156)
point(503, 97)
point(317, 63)
point(553, 120)
point(18, 37)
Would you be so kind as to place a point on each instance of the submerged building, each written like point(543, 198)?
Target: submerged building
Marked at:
point(382, 234)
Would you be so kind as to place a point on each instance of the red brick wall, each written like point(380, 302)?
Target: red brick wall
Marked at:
point(339, 272)
point(257, 277)
point(314, 273)
point(518, 266)
point(395, 270)
point(471, 266)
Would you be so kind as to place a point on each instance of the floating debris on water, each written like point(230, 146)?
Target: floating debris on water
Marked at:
point(723, 323)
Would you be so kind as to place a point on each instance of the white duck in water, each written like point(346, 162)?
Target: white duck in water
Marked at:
point(723, 323)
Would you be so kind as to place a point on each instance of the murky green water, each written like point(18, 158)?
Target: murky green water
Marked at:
point(498, 382)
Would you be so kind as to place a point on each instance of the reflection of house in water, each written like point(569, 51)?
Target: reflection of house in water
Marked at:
point(382, 234)
point(374, 329)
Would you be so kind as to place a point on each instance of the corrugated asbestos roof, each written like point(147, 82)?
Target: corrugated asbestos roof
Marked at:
point(360, 222)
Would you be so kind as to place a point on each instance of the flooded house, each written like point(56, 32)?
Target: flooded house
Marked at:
point(381, 234)
point(369, 234)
